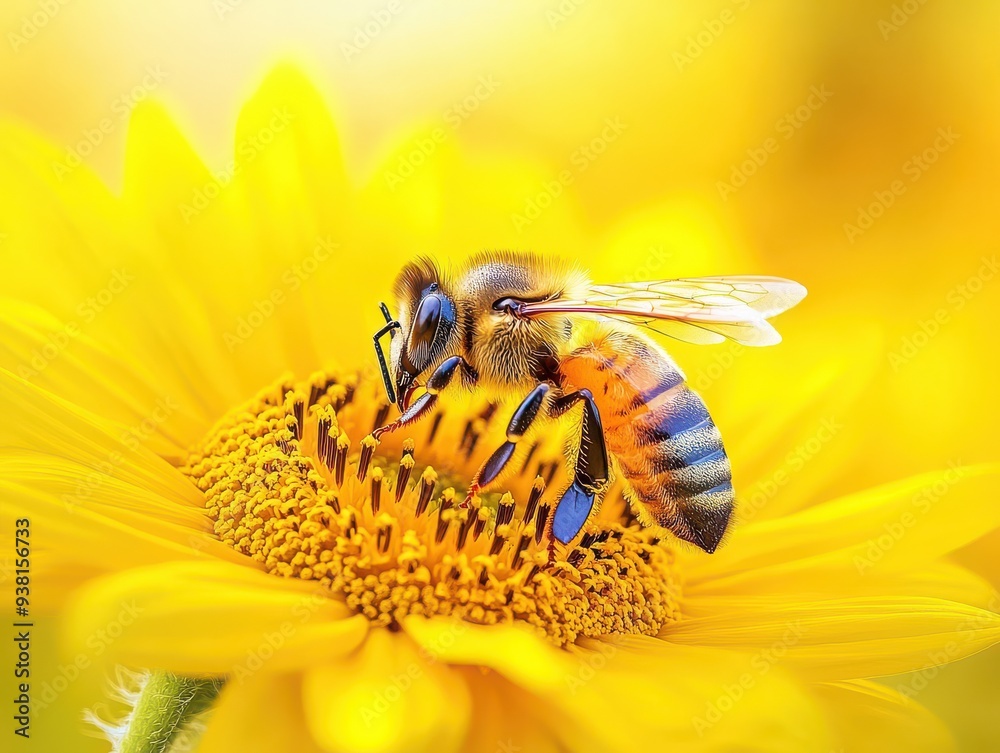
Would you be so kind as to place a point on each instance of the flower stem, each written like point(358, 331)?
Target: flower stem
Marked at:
point(167, 702)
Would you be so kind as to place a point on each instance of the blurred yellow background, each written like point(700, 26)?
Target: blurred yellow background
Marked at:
point(850, 146)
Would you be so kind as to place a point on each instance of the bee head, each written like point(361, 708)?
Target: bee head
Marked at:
point(423, 333)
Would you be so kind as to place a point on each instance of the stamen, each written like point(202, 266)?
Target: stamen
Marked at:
point(482, 515)
point(498, 542)
point(381, 416)
point(315, 390)
point(368, 445)
point(406, 464)
point(384, 537)
point(505, 510)
point(464, 527)
point(526, 535)
point(445, 516)
point(274, 475)
point(376, 487)
point(540, 520)
point(299, 407)
point(343, 445)
point(536, 494)
point(427, 481)
point(328, 430)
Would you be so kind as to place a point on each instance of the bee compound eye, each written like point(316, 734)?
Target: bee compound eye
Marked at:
point(426, 320)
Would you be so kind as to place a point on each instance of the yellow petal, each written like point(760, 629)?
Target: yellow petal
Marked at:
point(77, 254)
point(638, 691)
point(870, 718)
point(940, 579)
point(54, 226)
point(212, 618)
point(268, 231)
point(38, 347)
point(264, 712)
point(506, 719)
point(387, 696)
point(841, 638)
point(789, 439)
point(124, 537)
point(38, 421)
point(895, 526)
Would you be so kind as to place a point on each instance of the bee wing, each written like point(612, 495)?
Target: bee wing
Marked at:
point(699, 310)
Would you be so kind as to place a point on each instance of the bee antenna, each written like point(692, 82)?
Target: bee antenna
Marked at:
point(385, 313)
point(391, 325)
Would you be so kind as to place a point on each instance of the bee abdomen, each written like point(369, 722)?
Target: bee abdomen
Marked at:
point(666, 444)
point(679, 468)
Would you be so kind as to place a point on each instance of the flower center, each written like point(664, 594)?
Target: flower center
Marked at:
point(286, 485)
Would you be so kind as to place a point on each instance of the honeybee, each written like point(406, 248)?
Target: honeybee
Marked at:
point(517, 324)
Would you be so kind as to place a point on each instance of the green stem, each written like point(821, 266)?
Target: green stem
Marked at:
point(167, 702)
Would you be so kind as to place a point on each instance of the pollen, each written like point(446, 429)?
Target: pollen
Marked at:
point(295, 480)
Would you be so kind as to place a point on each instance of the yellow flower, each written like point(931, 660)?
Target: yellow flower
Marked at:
point(187, 391)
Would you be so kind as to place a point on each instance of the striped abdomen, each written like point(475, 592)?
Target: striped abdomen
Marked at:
point(659, 430)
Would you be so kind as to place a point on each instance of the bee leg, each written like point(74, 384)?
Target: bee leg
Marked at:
point(519, 424)
point(438, 380)
point(591, 476)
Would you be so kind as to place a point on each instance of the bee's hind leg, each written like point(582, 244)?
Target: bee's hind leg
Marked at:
point(519, 424)
point(591, 476)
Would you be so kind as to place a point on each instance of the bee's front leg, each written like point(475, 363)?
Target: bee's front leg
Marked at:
point(439, 379)
point(591, 476)
point(519, 424)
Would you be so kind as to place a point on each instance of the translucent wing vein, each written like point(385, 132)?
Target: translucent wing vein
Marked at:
point(699, 310)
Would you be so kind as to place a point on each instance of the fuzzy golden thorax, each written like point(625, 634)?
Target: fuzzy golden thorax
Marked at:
point(506, 351)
